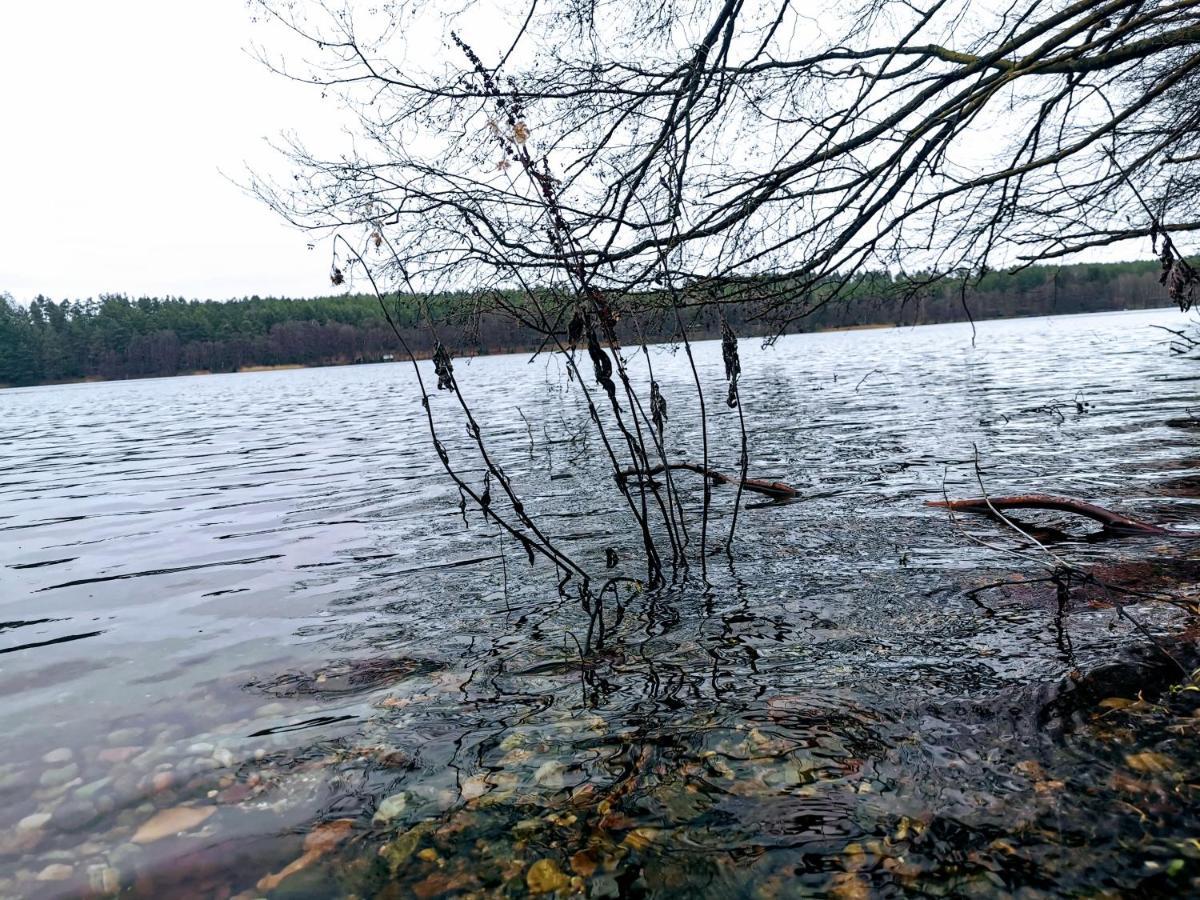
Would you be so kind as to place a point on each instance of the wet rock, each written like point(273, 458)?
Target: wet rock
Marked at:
point(445, 884)
point(169, 734)
point(172, 821)
point(104, 879)
point(640, 838)
point(201, 748)
point(55, 872)
point(544, 876)
point(474, 787)
point(397, 853)
point(116, 755)
point(125, 856)
point(52, 778)
point(33, 822)
point(148, 759)
point(127, 789)
point(16, 842)
point(162, 781)
point(849, 886)
point(390, 808)
point(59, 756)
point(604, 886)
point(223, 757)
point(320, 841)
point(304, 884)
point(73, 815)
point(512, 741)
point(235, 794)
point(527, 828)
point(1149, 762)
point(584, 864)
point(123, 737)
point(88, 791)
point(550, 775)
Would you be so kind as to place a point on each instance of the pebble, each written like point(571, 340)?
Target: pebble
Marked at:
point(162, 781)
point(104, 879)
point(550, 774)
point(16, 842)
point(123, 737)
point(114, 755)
point(58, 757)
point(172, 821)
point(89, 791)
point(234, 794)
point(168, 734)
point(224, 757)
point(200, 748)
point(390, 807)
point(147, 759)
point(57, 777)
point(545, 876)
point(33, 822)
point(55, 872)
point(125, 855)
point(73, 815)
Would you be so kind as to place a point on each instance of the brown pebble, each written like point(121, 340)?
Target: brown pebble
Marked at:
point(113, 755)
point(235, 793)
point(55, 872)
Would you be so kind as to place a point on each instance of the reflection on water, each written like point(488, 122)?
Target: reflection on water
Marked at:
point(248, 646)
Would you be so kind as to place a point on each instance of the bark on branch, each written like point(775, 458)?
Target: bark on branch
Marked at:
point(1108, 518)
point(777, 490)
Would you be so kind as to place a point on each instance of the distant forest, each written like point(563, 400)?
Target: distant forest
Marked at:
point(118, 337)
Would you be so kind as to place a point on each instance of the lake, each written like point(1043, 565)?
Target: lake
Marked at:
point(249, 645)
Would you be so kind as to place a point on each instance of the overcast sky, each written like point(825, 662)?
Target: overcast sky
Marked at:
point(118, 120)
point(123, 125)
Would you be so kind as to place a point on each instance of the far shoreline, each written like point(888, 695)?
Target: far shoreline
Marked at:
point(421, 355)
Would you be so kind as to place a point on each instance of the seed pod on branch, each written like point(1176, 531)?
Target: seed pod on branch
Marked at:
point(733, 364)
point(443, 367)
point(603, 366)
point(658, 408)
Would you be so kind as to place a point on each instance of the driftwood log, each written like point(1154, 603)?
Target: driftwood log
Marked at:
point(1108, 518)
point(776, 490)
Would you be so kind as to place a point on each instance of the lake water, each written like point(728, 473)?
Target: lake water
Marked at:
point(244, 627)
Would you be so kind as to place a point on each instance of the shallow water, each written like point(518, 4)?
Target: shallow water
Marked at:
point(238, 607)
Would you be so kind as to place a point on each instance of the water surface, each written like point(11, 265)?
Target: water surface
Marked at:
point(244, 623)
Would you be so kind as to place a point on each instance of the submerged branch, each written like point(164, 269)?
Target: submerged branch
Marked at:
point(774, 489)
point(1108, 518)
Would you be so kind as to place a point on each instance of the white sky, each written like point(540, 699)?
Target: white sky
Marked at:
point(119, 118)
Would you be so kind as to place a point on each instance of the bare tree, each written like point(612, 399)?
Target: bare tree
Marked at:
point(576, 163)
point(751, 150)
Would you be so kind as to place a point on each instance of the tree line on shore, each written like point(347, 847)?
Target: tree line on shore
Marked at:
point(114, 336)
